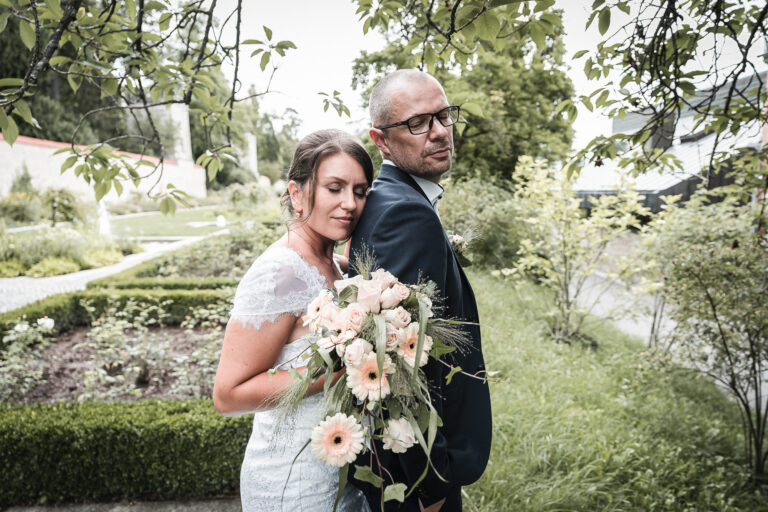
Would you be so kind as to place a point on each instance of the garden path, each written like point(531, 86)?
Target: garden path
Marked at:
point(16, 292)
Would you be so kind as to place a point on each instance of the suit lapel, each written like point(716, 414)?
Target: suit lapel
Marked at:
point(390, 173)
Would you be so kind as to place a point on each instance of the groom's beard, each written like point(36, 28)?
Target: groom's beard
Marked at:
point(421, 165)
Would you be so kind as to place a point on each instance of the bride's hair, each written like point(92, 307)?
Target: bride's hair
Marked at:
point(311, 151)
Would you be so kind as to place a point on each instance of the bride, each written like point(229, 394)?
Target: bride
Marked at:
point(329, 179)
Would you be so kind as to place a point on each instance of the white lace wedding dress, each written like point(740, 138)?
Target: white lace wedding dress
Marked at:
point(281, 282)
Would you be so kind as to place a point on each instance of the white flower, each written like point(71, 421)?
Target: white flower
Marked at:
point(353, 355)
point(46, 323)
point(426, 300)
point(312, 316)
point(337, 439)
point(398, 317)
point(395, 337)
point(365, 381)
point(369, 296)
point(354, 317)
point(399, 435)
point(407, 350)
point(23, 326)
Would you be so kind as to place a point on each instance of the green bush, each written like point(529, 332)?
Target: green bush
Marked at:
point(31, 247)
point(53, 266)
point(487, 214)
point(11, 268)
point(67, 311)
point(166, 283)
point(109, 451)
point(95, 258)
point(21, 208)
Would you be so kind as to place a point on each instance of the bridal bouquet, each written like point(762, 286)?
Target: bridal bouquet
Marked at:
point(381, 332)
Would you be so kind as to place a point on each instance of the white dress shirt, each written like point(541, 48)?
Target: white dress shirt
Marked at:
point(433, 191)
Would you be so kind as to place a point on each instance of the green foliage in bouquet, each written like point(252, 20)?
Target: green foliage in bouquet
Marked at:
point(381, 333)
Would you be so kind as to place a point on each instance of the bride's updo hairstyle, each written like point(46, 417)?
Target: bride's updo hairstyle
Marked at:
point(311, 151)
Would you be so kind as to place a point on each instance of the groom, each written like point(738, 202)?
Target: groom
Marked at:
point(412, 127)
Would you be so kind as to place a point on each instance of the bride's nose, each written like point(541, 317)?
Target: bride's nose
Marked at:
point(348, 200)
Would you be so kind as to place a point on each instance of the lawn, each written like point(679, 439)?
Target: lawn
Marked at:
point(157, 224)
point(597, 429)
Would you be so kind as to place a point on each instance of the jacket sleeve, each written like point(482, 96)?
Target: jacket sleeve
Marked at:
point(408, 241)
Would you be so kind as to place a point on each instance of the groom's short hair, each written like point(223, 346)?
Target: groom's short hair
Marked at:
point(380, 103)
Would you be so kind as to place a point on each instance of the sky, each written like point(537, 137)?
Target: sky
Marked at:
point(329, 37)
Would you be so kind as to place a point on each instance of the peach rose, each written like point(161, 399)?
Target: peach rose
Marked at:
point(332, 317)
point(398, 317)
point(353, 356)
point(369, 296)
point(394, 295)
point(395, 337)
point(354, 315)
point(384, 278)
point(343, 283)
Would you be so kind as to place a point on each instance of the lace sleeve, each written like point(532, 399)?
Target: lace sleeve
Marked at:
point(279, 282)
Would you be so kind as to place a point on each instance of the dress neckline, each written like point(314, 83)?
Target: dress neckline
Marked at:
point(308, 264)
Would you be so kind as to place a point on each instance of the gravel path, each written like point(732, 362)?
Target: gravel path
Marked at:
point(19, 291)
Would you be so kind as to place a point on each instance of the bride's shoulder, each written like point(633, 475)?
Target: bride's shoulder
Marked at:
point(280, 271)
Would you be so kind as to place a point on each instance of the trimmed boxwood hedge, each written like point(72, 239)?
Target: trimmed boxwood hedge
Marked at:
point(108, 451)
point(167, 283)
point(67, 311)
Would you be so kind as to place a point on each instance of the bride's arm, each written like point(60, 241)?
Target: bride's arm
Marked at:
point(243, 383)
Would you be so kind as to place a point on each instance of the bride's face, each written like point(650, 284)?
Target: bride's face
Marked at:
point(340, 192)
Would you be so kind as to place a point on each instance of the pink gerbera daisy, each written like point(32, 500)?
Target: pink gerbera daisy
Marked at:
point(364, 380)
point(407, 349)
point(337, 439)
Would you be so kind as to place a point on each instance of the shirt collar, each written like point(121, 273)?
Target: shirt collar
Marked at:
point(433, 191)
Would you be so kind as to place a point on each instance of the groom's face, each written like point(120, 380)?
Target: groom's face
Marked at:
point(427, 155)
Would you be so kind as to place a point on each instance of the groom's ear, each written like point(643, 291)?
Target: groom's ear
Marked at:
point(377, 136)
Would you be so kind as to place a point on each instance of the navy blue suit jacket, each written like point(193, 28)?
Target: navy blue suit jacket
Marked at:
point(402, 229)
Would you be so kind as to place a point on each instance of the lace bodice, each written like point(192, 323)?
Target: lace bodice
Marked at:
point(281, 282)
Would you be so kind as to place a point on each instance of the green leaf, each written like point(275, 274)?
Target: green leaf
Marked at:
point(11, 82)
point(130, 8)
point(454, 371)
point(74, 81)
point(430, 57)
point(543, 5)
point(366, 474)
point(3, 21)
point(268, 32)
point(472, 108)
point(55, 7)
point(264, 60)
point(27, 33)
point(10, 132)
point(395, 492)
point(69, 162)
point(22, 110)
point(604, 21)
point(110, 86)
point(439, 348)
point(58, 59)
point(101, 189)
point(3, 119)
point(538, 35)
point(381, 341)
point(165, 21)
point(579, 54)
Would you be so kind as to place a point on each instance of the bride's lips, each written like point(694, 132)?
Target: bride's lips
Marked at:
point(346, 221)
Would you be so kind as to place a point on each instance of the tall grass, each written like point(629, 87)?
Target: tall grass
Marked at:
point(597, 430)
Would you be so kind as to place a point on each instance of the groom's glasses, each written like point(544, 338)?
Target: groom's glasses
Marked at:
point(422, 123)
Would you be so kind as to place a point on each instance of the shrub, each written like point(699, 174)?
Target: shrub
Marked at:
point(67, 311)
point(11, 268)
point(61, 205)
point(32, 247)
point(128, 246)
point(21, 366)
point(21, 208)
point(487, 212)
point(53, 266)
point(110, 451)
point(95, 258)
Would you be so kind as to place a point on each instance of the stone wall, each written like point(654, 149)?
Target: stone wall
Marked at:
point(37, 157)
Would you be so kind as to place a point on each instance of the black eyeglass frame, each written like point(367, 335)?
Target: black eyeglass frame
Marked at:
point(431, 120)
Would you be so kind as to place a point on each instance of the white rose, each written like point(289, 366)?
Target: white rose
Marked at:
point(399, 435)
point(23, 326)
point(398, 317)
point(340, 284)
point(46, 323)
point(395, 337)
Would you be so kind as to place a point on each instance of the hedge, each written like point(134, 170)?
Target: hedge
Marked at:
point(68, 312)
point(167, 283)
point(99, 451)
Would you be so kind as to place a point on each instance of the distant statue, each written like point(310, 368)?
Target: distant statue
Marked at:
point(104, 227)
